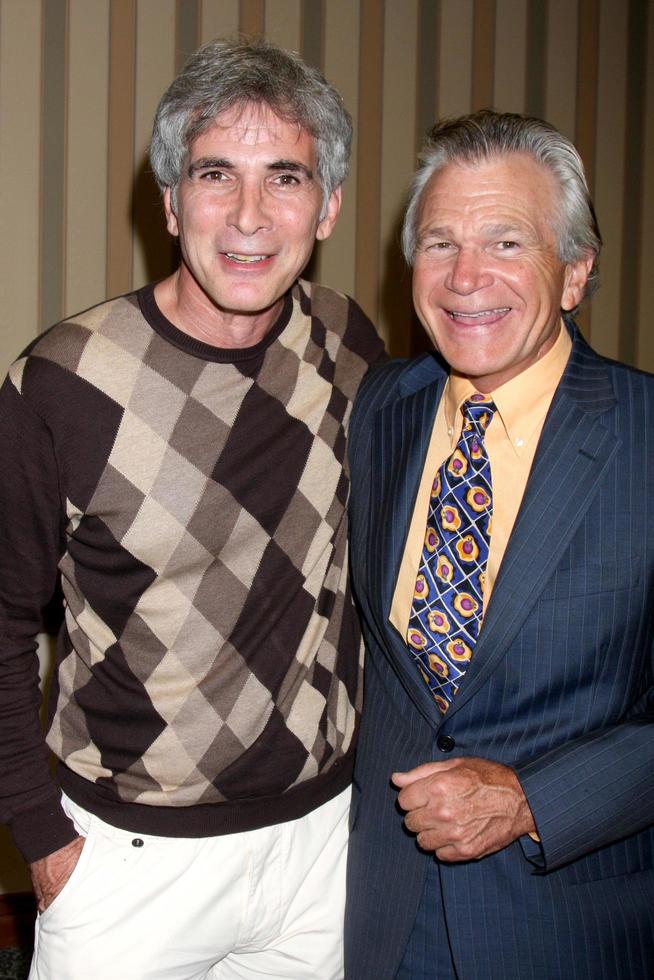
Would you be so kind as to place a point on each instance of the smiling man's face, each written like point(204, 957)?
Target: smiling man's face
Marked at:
point(247, 214)
point(488, 284)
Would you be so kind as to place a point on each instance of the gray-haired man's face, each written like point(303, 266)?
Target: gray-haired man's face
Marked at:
point(488, 284)
point(248, 211)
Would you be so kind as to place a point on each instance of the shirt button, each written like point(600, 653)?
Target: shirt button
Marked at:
point(445, 743)
point(519, 443)
point(137, 842)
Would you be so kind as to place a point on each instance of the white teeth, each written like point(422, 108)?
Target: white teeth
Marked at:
point(245, 258)
point(472, 316)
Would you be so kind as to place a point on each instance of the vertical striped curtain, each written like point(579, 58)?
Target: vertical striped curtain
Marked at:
point(80, 79)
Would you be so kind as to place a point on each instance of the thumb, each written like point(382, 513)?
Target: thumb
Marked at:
point(402, 779)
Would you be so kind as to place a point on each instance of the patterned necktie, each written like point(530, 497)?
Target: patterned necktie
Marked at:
point(448, 600)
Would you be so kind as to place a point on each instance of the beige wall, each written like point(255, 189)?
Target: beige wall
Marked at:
point(80, 79)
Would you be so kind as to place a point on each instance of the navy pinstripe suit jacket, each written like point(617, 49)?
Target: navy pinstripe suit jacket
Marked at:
point(560, 687)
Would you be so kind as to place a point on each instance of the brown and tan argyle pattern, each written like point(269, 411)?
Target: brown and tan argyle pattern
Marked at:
point(210, 650)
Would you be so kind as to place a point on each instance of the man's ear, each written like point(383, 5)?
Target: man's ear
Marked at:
point(575, 282)
point(326, 224)
point(171, 218)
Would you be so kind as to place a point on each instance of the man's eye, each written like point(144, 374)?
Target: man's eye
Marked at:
point(213, 176)
point(507, 246)
point(286, 180)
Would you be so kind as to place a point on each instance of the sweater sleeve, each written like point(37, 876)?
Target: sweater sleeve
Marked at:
point(31, 544)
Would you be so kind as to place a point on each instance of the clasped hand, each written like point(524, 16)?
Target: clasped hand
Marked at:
point(465, 808)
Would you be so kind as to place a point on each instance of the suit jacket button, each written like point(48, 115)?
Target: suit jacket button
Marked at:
point(445, 743)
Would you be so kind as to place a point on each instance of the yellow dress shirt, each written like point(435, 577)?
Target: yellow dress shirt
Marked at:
point(510, 441)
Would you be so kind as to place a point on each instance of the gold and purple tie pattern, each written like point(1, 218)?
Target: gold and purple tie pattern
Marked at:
point(448, 599)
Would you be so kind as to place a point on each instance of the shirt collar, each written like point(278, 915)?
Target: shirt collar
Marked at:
point(522, 402)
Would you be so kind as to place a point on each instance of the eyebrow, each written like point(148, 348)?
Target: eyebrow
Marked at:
point(440, 230)
point(293, 166)
point(492, 231)
point(222, 163)
point(434, 232)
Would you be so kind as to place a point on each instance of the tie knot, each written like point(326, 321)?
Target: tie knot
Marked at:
point(479, 411)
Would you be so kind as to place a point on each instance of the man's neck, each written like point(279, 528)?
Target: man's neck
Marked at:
point(193, 312)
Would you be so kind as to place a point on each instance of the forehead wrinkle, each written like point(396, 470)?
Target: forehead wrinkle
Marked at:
point(504, 228)
point(254, 123)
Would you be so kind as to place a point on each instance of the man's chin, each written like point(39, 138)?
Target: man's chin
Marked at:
point(247, 303)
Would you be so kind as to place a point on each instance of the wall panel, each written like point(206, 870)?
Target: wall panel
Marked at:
point(217, 17)
point(86, 154)
point(53, 158)
point(368, 187)
point(645, 248)
point(510, 56)
point(155, 56)
point(341, 38)
point(120, 179)
point(427, 67)
point(561, 65)
point(483, 51)
point(393, 314)
point(609, 175)
point(21, 25)
point(636, 167)
point(187, 31)
point(455, 57)
point(252, 17)
point(283, 23)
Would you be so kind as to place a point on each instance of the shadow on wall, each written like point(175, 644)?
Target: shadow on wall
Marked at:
point(160, 251)
point(406, 335)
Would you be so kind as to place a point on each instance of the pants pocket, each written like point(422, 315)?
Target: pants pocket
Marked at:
point(73, 881)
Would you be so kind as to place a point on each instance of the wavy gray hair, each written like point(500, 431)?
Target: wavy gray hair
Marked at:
point(486, 134)
point(230, 73)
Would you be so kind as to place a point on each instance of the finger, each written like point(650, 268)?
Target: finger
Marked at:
point(422, 772)
point(450, 853)
point(451, 850)
point(427, 793)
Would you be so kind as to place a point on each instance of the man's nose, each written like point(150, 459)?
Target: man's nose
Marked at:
point(248, 211)
point(469, 272)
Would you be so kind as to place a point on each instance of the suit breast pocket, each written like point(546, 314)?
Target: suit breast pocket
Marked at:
point(584, 581)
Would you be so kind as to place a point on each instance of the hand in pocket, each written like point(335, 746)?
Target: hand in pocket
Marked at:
point(50, 874)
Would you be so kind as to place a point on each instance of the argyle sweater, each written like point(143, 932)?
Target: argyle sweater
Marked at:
point(191, 501)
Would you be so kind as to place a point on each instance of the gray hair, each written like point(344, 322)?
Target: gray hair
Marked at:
point(486, 134)
point(234, 73)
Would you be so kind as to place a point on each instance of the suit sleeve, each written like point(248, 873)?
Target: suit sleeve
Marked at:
point(31, 541)
point(592, 791)
point(596, 788)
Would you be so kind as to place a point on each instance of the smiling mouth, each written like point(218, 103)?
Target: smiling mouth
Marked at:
point(245, 259)
point(482, 315)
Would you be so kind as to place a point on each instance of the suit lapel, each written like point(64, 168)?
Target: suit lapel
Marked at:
point(400, 440)
point(573, 454)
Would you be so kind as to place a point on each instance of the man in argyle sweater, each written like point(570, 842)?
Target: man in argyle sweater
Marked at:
point(174, 458)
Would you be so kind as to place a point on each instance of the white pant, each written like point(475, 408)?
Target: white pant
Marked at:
point(265, 903)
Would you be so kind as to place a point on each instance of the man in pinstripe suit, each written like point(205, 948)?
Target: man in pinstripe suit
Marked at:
point(503, 819)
